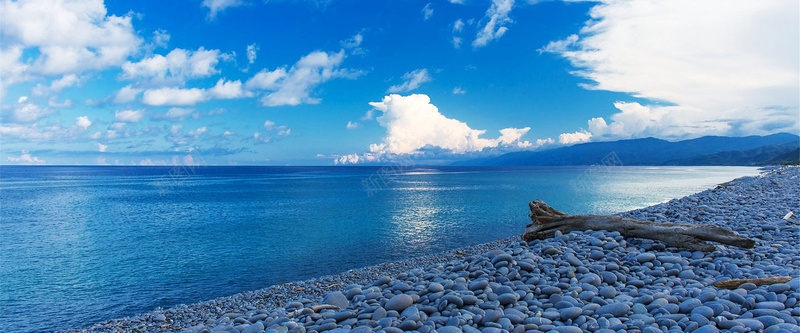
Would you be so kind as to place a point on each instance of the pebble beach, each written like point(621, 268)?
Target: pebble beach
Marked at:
point(590, 281)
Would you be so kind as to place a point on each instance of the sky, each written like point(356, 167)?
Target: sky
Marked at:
point(334, 82)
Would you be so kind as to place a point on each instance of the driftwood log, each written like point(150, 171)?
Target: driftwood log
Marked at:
point(733, 284)
point(547, 220)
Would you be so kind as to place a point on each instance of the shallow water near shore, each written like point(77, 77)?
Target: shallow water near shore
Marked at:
point(86, 244)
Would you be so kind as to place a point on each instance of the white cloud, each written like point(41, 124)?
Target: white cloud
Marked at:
point(457, 42)
point(572, 138)
point(83, 122)
point(27, 112)
point(458, 2)
point(293, 87)
point(495, 22)
point(353, 42)
point(559, 46)
point(101, 147)
point(352, 125)
point(228, 90)
point(176, 67)
point(161, 38)
point(368, 115)
point(252, 51)
point(25, 158)
point(413, 123)
point(173, 96)
point(68, 36)
point(458, 25)
point(266, 80)
point(128, 116)
point(727, 68)
point(12, 70)
point(411, 80)
point(126, 94)
point(427, 12)
point(175, 114)
point(217, 6)
point(56, 86)
point(459, 91)
point(197, 132)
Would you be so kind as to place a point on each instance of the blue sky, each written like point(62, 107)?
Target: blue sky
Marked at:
point(250, 82)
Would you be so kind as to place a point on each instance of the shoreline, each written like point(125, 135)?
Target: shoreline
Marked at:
point(259, 302)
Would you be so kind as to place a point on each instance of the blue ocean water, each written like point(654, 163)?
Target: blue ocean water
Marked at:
point(79, 245)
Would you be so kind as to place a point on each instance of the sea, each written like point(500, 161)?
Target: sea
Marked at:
point(84, 244)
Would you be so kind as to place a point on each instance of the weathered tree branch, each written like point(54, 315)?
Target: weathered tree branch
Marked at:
point(733, 284)
point(547, 220)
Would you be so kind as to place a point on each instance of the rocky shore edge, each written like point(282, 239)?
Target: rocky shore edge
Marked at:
point(593, 281)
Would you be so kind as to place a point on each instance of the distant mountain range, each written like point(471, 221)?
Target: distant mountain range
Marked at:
point(778, 148)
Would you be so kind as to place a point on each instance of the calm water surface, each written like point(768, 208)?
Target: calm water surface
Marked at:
point(79, 245)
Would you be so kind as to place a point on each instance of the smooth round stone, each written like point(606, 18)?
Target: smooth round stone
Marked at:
point(706, 329)
point(449, 329)
point(608, 292)
point(688, 305)
point(614, 309)
point(699, 319)
point(752, 324)
point(570, 312)
point(736, 298)
point(491, 316)
point(549, 290)
point(336, 298)
point(255, 328)
point(769, 320)
point(704, 311)
point(409, 325)
point(435, 287)
point(645, 257)
point(507, 298)
point(770, 305)
point(379, 313)
point(551, 251)
point(568, 329)
point(608, 277)
point(478, 285)
point(399, 302)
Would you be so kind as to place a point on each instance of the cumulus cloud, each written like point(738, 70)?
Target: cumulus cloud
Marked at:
point(173, 96)
point(352, 125)
point(413, 123)
point(427, 12)
point(101, 147)
point(128, 116)
point(459, 91)
point(83, 122)
point(28, 112)
point(294, 86)
point(576, 137)
point(56, 86)
point(176, 67)
point(126, 94)
point(217, 6)
point(726, 69)
point(25, 158)
point(494, 23)
point(65, 36)
point(411, 80)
